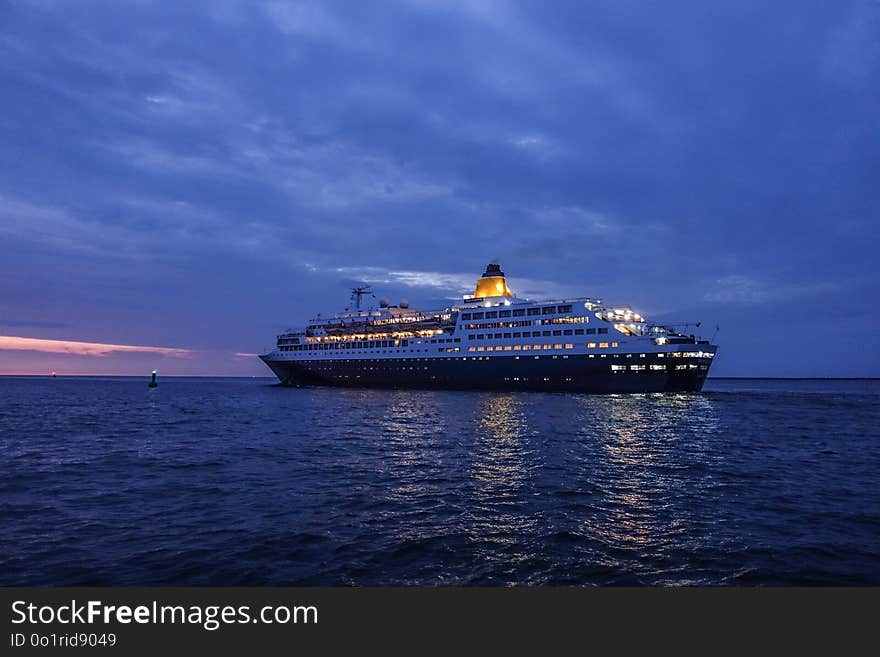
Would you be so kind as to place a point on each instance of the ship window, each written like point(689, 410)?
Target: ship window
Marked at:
point(534, 311)
point(544, 333)
point(603, 330)
point(507, 335)
point(478, 315)
point(536, 346)
point(481, 336)
point(591, 331)
point(472, 348)
point(457, 340)
point(603, 345)
point(517, 347)
point(491, 315)
point(497, 335)
point(556, 346)
point(618, 368)
point(637, 368)
point(567, 332)
point(519, 312)
point(504, 313)
point(613, 344)
point(548, 310)
point(517, 335)
point(569, 345)
point(526, 347)
point(591, 345)
point(557, 332)
point(433, 342)
point(466, 316)
point(471, 336)
point(565, 309)
point(658, 367)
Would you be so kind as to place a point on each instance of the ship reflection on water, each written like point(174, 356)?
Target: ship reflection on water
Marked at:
point(601, 479)
point(637, 473)
point(504, 462)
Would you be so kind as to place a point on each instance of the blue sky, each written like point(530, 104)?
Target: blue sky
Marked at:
point(198, 175)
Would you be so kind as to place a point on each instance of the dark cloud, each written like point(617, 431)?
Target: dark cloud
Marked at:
point(203, 174)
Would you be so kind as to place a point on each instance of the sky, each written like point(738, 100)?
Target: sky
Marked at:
point(180, 181)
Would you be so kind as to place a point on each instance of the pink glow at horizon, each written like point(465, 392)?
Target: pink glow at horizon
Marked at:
point(77, 348)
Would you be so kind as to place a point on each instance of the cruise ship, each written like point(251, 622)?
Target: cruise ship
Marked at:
point(493, 340)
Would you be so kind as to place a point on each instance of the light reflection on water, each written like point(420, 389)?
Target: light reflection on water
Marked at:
point(237, 482)
point(503, 462)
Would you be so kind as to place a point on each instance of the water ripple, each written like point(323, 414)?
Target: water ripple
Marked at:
point(241, 482)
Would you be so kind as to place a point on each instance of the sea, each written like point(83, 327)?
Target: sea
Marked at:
point(224, 481)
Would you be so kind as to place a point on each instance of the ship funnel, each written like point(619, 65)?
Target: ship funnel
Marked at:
point(492, 283)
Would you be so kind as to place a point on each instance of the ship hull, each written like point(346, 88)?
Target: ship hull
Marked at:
point(546, 373)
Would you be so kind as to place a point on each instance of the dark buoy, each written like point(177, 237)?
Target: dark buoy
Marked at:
point(153, 383)
point(54, 374)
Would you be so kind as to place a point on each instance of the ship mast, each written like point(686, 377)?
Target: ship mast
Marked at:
point(358, 292)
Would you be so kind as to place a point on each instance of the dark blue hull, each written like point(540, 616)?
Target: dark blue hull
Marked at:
point(543, 373)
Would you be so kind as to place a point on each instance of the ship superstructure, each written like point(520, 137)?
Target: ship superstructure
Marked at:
point(493, 340)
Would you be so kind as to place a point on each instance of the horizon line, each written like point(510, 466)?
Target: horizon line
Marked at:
point(264, 376)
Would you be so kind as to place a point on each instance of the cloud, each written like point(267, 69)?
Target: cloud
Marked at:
point(454, 283)
point(738, 289)
point(76, 348)
point(27, 323)
point(852, 53)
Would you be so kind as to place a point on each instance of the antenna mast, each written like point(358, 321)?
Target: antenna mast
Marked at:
point(358, 292)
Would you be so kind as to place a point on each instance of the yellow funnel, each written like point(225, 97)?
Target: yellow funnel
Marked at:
point(492, 283)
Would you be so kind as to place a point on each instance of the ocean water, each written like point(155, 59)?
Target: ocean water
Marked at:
point(241, 482)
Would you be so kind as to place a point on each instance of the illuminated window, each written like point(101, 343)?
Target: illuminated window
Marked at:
point(526, 347)
point(613, 344)
point(603, 345)
point(508, 348)
point(481, 348)
point(516, 347)
point(472, 348)
point(618, 368)
point(489, 348)
point(536, 346)
point(637, 368)
point(658, 367)
point(557, 346)
point(548, 346)
point(591, 345)
point(569, 345)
